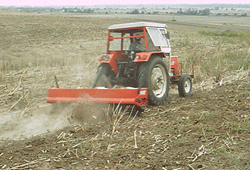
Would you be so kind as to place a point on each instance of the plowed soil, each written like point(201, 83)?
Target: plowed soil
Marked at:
point(207, 130)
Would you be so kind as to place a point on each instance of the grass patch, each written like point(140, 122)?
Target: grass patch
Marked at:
point(237, 60)
point(240, 127)
point(243, 36)
point(213, 53)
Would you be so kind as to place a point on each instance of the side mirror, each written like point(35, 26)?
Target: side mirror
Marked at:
point(168, 35)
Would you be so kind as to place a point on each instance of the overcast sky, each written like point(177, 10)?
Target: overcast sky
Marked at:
point(104, 2)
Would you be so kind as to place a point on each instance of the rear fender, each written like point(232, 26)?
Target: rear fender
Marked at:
point(145, 56)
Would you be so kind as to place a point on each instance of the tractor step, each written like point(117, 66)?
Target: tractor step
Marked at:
point(134, 96)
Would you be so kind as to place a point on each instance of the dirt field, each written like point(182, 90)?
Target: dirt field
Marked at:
point(208, 130)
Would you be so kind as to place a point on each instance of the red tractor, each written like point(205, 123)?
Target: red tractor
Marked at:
point(137, 68)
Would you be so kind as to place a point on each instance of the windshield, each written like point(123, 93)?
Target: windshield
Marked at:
point(122, 41)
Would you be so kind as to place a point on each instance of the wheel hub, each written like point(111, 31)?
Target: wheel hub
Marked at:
point(158, 81)
point(187, 86)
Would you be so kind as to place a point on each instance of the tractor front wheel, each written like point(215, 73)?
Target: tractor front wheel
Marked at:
point(154, 76)
point(185, 85)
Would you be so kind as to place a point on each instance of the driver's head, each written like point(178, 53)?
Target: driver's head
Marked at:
point(138, 39)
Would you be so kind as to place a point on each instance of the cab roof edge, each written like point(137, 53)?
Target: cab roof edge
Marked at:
point(137, 24)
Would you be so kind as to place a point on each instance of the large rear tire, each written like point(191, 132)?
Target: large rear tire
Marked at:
point(103, 77)
point(154, 76)
point(185, 85)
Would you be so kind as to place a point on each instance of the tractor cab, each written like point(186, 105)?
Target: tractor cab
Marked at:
point(152, 36)
point(139, 37)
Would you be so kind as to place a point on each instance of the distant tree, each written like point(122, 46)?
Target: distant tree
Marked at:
point(180, 11)
point(244, 14)
point(89, 10)
point(135, 11)
point(205, 11)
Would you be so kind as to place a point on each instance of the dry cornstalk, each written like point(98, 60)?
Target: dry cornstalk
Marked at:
point(221, 82)
point(174, 109)
point(22, 97)
point(127, 140)
point(110, 147)
point(201, 85)
point(135, 139)
point(226, 143)
point(164, 150)
point(28, 107)
point(200, 153)
point(66, 153)
point(78, 144)
point(204, 134)
point(91, 157)
point(11, 93)
point(27, 164)
point(130, 113)
point(134, 116)
point(62, 135)
point(117, 120)
point(19, 84)
point(191, 167)
point(75, 153)
point(94, 137)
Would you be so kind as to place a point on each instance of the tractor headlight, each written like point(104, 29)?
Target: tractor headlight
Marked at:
point(132, 55)
point(143, 92)
point(105, 58)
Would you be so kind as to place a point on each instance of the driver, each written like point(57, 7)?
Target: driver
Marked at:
point(136, 45)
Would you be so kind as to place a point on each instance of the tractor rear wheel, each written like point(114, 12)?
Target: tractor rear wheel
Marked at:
point(154, 76)
point(103, 77)
point(185, 85)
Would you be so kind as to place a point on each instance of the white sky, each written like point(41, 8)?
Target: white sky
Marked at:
point(103, 2)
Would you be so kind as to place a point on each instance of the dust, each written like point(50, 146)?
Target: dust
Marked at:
point(49, 118)
point(88, 113)
point(39, 121)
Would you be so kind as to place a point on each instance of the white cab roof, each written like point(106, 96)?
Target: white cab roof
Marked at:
point(137, 24)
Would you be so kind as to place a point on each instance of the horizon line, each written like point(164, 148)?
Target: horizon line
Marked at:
point(127, 4)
